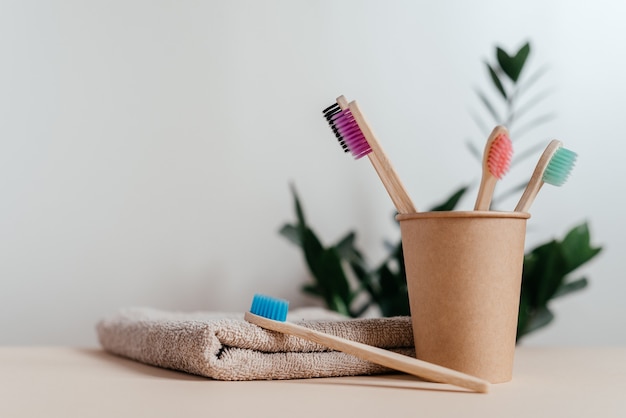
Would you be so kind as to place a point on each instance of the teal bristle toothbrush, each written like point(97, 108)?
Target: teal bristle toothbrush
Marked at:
point(554, 167)
point(496, 162)
point(271, 313)
point(355, 135)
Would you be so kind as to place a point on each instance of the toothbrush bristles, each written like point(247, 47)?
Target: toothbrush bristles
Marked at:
point(560, 166)
point(329, 113)
point(500, 154)
point(269, 307)
point(333, 108)
point(347, 131)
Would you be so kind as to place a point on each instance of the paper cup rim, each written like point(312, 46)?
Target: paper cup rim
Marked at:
point(463, 214)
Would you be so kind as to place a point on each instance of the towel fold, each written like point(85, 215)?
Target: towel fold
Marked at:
point(226, 347)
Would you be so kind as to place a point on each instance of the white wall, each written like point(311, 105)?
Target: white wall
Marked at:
point(146, 147)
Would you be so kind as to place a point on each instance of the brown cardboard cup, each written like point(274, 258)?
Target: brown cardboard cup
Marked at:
point(464, 273)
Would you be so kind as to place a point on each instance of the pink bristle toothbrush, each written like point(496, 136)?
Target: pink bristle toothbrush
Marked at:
point(355, 135)
point(553, 167)
point(271, 313)
point(496, 162)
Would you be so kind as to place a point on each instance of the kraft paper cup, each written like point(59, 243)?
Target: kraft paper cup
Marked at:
point(464, 273)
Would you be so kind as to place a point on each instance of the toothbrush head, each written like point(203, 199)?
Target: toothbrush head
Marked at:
point(269, 307)
point(347, 131)
point(498, 158)
point(560, 166)
point(554, 167)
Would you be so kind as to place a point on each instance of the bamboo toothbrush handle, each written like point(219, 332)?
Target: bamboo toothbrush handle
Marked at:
point(342, 102)
point(379, 160)
point(485, 192)
point(376, 355)
point(536, 180)
point(529, 195)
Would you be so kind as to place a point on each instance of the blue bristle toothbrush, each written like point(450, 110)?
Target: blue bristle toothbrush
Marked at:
point(271, 313)
point(554, 167)
point(355, 135)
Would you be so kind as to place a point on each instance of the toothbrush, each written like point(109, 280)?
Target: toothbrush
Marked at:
point(355, 135)
point(496, 162)
point(554, 167)
point(271, 313)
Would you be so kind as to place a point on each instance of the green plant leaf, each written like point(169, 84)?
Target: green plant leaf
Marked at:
point(312, 290)
point(576, 247)
point(490, 108)
point(544, 276)
point(340, 305)
point(512, 66)
point(393, 298)
point(324, 264)
point(298, 208)
point(452, 201)
point(536, 122)
point(539, 319)
point(292, 233)
point(363, 275)
point(549, 272)
point(347, 249)
point(525, 85)
point(569, 287)
point(525, 311)
point(331, 278)
point(313, 253)
point(496, 80)
point(528, 105)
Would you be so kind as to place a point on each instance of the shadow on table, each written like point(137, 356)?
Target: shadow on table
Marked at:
point(391, 381)
point(135, 367)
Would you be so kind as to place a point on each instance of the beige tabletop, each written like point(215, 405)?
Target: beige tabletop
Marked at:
point(87, 382)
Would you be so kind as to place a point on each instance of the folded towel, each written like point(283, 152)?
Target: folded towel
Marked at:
point(226, 347)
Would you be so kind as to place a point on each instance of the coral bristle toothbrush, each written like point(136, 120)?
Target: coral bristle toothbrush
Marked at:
point(496, 162)
point(271, 313)
point(355, 135)
point(554, 167)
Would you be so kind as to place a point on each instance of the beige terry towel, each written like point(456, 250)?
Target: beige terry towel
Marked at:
point(226, 347)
